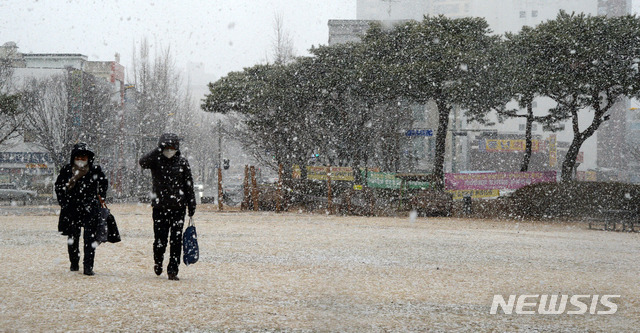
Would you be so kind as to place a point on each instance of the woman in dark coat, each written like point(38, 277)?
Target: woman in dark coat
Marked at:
point(77, 188)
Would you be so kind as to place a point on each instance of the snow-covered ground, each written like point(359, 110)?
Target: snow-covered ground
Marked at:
point(299, 272)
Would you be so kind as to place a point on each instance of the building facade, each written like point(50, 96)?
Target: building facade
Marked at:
point(23, 161)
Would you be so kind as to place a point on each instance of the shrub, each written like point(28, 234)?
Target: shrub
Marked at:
point(573, 199)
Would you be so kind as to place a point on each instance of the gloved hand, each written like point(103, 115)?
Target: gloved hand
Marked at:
point(76, 174)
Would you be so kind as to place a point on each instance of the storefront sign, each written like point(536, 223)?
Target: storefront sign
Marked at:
point(494, 145)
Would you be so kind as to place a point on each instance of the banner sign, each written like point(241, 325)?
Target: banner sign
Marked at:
point(383, 180)
point(474, 194)
point(496, 180)
point(389, 180)
point(36, 166)
point(21, 157)
point(590, 176)
point(337, 173)
point(296, 173)
point(494, 145)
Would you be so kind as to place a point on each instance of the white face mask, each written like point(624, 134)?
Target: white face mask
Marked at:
point(80, 163)
point(168, 153)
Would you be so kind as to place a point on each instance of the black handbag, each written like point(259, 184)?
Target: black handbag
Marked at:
point(191, 252)
point(107, 228)
point(113, 234)
point(101, 227)
point(63, 223)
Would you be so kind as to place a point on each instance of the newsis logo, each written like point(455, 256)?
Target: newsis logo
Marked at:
point(555, 304)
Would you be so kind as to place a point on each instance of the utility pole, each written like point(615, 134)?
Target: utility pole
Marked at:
point(219, 164)
point(453, 140)
point(219, 143)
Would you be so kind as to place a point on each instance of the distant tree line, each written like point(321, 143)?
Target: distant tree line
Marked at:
point(348, 103)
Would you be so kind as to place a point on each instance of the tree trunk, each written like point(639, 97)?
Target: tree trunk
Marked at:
point(570, 159)
point(441, 145)
point(580, 137)
point(524, 167)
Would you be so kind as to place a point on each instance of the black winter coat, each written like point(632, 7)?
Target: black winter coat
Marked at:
point(172, 180)
point(84, 194)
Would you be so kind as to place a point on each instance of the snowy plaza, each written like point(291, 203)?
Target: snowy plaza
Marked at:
point(305, 272)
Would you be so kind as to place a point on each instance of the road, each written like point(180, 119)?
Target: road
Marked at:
point(302, 272)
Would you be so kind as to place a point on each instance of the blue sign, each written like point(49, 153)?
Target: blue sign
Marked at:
point(419, 132)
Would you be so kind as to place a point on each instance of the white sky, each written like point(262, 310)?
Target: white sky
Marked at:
point(225, 35)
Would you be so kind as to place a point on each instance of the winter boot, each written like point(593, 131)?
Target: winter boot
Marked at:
point(173, 277)
point(157, 269)
point(74, 267)
point(88, 271)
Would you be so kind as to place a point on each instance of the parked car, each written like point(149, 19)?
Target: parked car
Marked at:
point(9, 191)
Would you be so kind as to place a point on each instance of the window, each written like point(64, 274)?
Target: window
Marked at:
point(534, 13)
point(523, 14)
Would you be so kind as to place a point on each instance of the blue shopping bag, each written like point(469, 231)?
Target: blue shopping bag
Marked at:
point(190, 250)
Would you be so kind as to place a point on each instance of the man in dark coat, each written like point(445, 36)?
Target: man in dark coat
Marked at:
point(172, 195)
point(77, 188)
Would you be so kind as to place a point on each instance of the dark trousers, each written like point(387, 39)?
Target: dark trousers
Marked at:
point(167, 225)
point(87, 219)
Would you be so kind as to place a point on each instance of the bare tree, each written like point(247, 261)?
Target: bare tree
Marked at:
point(11, 115)
point(183, 118)
point(157, 84)
point(69, 107)
point(162, 104)
point(99, 126)
point(49, 116)
point(282, 43)
point(203, 148)
point(6, 70)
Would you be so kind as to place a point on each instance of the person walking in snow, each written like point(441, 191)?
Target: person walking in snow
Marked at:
point(172, 195)
point(77, 189)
